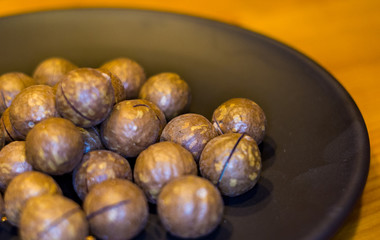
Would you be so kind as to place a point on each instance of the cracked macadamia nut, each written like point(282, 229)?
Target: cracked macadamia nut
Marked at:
point(169, 92)
point(91, 139)
point(85, 96)
point(130, 73)
point(24, 187)
point(9, 133)
point(31, 106)
point(54, 146)
point(240, 115)
point(132, 126)
point(192, 131)
point(12, 84)
point(232, 162)
point(116, 209)
point(190, 207)
point(98, 166)
point(160, 163)
point(12, 162)
point(52, 70)
point(53, 217)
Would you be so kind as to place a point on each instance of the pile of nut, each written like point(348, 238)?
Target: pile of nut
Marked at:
point(90, 122)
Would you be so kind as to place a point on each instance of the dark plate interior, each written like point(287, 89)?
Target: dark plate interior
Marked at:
point(315, 154)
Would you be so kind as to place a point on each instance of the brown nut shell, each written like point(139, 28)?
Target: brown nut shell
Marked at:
point(191, 131)
point(132, 126)
point(98, 166)
point(11, 84)
point(85, 96)
point(116, 209)
point(12, 162)
point(91, 139)
point(53, 217)
point(31, 106)
point(169, 92)
point(24, 187)
point(240, 115)
point(117, 85)
point(159, 114)
point(130, 73)
point(54, 146)
point(190, 207)
point(10, 134)
point(52, 70)
point(231, 161)
point(158, 164)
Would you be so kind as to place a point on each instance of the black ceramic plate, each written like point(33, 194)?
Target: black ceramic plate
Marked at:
point(315, 154)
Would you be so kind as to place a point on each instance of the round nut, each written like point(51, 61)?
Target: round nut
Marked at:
point(169, 92)
point(31, 106)
point(130, 73)
point(158, 164)
point(11, 84)
point(98, 166)
point(52, 217)
point(231, 161)
point(132, 126)
point(191, 131)
point(85, 96)
point(12, 162)
point(24, 187)
point(54, 146)
point(52, 70)
point(190, 207)
point(240, 115)
point(116, 209)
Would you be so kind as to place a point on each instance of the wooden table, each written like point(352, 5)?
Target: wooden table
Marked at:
point(342, 35)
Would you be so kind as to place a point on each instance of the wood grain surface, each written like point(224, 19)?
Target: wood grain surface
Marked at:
point(342, 35)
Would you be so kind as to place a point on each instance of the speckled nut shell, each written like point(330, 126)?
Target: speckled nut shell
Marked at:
point(12, 162)
point(240, 115)
point(54, 146)
point(231, 161)
point(160, 163)
point(31, 106)
point(11, 84)
point(91, 139)
point(53, 217)
point(24, 187)
point(132, 126)
point(98, 166)
point(116, 209)
point(85, 96)
point(51, 70)
point(10, 134)
point(192, 131)
point(190, 207)
point(169, 92)
point(130, 73)
point(117, 85)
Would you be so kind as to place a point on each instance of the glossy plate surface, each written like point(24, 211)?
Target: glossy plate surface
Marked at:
point(315, 154)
